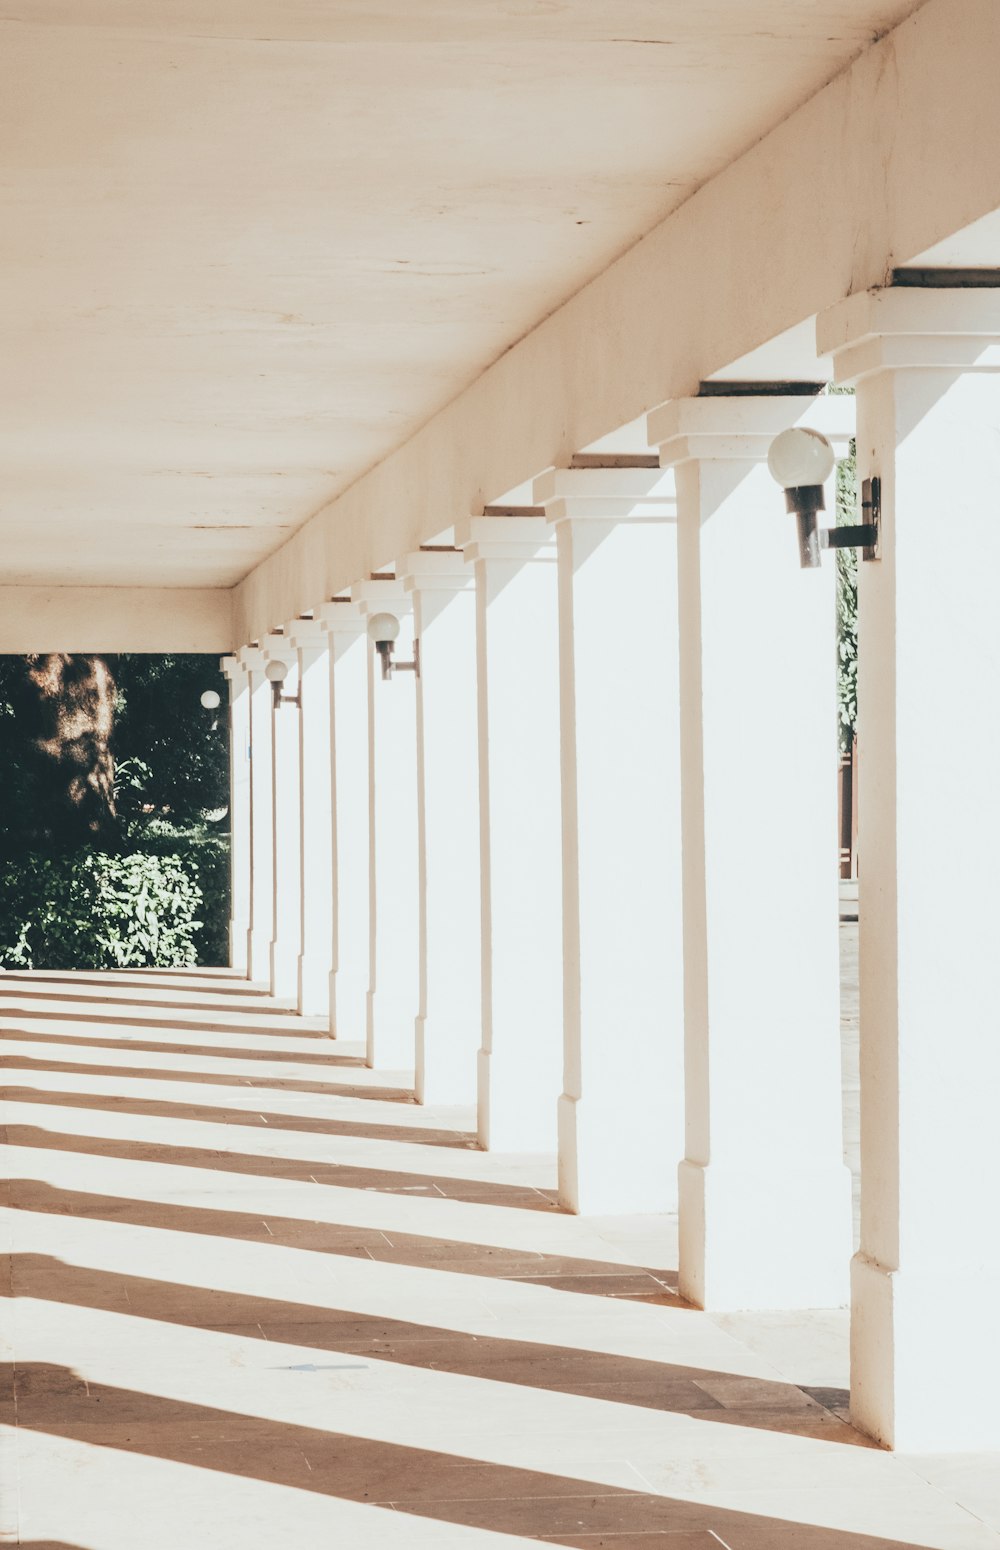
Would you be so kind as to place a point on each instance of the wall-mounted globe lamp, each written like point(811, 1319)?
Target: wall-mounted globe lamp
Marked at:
point(276, 672)
point(211, 700)
point(383, 629)
point(802, 460)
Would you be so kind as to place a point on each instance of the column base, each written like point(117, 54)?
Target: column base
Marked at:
point(259, 956)
point(284, 972)
point(447, 1060)
point(390, 1038)
point(923, 1356)
point(779, 1237)
point(517, 1112)
point(314, 986)
point(239, 946)
point(610, 1165)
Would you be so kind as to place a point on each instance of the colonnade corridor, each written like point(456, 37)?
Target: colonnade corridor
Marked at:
point(258, 1297)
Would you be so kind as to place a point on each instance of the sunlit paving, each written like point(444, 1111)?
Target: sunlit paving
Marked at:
point(259, 1297)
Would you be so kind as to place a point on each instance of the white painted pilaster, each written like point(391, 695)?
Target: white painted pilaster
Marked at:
point(926, 1281)
point(449, 1016)
point(765, 1198)
point(261, 817)
point(621, 1114)
point(239, 813)
point(287, 820)
point(520, 1060)
point(393, 988)
point(316, 830)
point(349, 763)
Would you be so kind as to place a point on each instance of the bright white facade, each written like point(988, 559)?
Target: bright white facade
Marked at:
point(553, 875)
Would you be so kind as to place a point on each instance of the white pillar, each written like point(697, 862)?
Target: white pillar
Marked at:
point(349, 764)
point(926, 1281)
point(621, 1114)
point(239, 812)
point(393, 988)
point(261, 818)
point(449, 1016)
point(765, 1198)
point(316, 830)
point(286, 813)
point(520, 1061)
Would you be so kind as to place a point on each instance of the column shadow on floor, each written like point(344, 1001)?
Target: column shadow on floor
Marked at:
point(755, 1403)
point(306, 1124)
point(447, 1487)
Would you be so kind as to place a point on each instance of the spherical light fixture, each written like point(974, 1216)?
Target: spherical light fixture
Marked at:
point(800, 457)
point(801, 460)
point(211, 699)
point(276, 672)
point(383, 628)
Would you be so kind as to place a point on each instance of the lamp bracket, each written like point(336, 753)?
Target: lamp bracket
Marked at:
point(865, 536)
point(390, 665)
point(285, 699)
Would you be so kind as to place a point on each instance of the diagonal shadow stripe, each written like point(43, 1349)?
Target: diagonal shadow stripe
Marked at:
point(418, 1251)
point(446, 1487)
point(217, 1078)
point(343, 1176)
point(116, 995)
point(200, 1051)
point(288, 1029)
point(461, 1140)
point(224, 982)
point(668, 1387)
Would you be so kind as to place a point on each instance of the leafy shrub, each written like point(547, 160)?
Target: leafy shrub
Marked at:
point(93, 910)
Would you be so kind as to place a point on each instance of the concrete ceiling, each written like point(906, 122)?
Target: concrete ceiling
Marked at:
point(248, 246)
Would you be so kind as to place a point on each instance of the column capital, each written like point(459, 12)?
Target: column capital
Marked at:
point(618, 492)
point(435, 570)
point(277, 648)
point(341, 616)
point(908, 326)
point(742, 427)
point(505, 538)
point(250, 658)
point(378, 593)
point(307, 633)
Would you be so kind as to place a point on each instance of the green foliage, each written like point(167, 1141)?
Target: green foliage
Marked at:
point(847, 604)
point(91, 910)
point(158, 892)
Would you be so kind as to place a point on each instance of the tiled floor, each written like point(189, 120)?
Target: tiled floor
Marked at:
point(259, 1300)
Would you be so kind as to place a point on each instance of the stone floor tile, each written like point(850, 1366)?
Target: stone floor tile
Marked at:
point(257, 1289)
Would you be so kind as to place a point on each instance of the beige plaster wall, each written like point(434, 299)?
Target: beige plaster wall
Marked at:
point(115, 619)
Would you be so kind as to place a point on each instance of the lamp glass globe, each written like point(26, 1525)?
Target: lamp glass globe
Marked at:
point(276, 672)
point(800, 456)
point(383, 627)
point(211, 699)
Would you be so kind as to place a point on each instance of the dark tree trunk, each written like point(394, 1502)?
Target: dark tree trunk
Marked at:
point(66, 707)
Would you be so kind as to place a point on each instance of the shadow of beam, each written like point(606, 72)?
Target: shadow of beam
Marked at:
point(225, 982)
point(308, 1124)
point(287, 1029)
point(340, 1175)
point(117, 995)
point(445, 1487)
point(262, 1083)
point(561, 1272)
point(324, 1057)
point(755, 1403)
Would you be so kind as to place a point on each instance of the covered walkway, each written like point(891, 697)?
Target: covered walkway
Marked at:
point(263, 1299)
